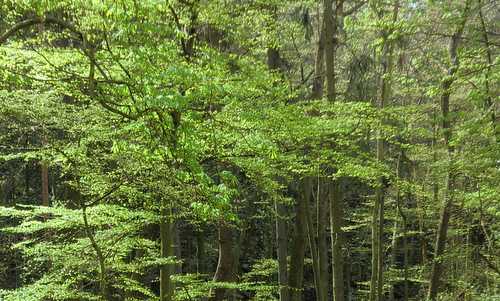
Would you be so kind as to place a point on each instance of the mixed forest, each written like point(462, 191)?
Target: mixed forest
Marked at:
point(249, 150)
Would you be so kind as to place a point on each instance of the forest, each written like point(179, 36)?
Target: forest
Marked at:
point(181, 150)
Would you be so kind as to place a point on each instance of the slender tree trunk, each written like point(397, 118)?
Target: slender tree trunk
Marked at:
point(45, 179)
point(322, 197)
point(101, 259)
point(103, 281)
point(435, 188)
point(166, 226)
point(331, 19)
point(167, 231)
point(405, 259)
point(323, 208)
point(200, 252)
point(402, 215)
point(314, 254)
point(45, 184)
point(446, 127)
point(440, 241)
point(296, 275)
point(320, 253)
point(177, 246)
point(166, 251)
point(375, 250)
point(394, 253)
point(312, 245)
point(377, 281)
point(378, 208)
point(319, 62)
point(337, 238)
point(406, 288)
point(273, 61)
point(380, 244)
point(282, 242)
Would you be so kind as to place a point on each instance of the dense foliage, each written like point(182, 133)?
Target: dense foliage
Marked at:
point(249, 150)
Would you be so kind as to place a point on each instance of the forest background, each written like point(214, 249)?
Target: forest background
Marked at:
point(249, 150)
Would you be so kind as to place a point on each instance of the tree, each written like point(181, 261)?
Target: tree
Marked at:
point(187, 152)
point(446, 128)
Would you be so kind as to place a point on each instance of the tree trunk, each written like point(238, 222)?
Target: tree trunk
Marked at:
point(237, 249)
point(319, 62)
point(380, 243)
point(101, 259)
point(45, 184)
point(296, 275)
point(282, 242)
point(375, 250)
point(377, 281)
point(200, 252)
point(312, 245)
point(330, 20)
point(440, 241)
point(177, 246)
point(404, 223)
point(335, 195)
point(336, 220)
point(405, 259)
point(446, 127)
point(322, 207)
point(225, 270)
point(394, 247)
point(273, 62)
point(166, 250)
point(45, 178)
point(435, 188)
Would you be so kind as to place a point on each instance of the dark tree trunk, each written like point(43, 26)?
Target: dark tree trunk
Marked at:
point(225, 269)
point(337, 237)
point(45, 184)
point(177, 246)
point(282, 242)
point(166, 250)
point(200, 252)
point(323, 209)
point(296, 275)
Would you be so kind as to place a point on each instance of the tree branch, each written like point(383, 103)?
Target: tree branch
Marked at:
point(39, 20)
